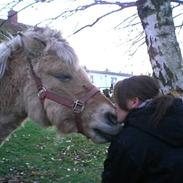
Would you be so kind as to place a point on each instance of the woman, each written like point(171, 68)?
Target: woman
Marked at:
point(149, 149)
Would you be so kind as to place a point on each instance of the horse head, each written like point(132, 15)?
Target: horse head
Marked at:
point(51, 87)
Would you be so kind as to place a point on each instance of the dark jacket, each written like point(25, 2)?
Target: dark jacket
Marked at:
point(145, 153)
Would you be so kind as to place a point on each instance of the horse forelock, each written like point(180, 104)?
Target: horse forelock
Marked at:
point(53, 42)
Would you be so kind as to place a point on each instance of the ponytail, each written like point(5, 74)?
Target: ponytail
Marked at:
point(161, 103)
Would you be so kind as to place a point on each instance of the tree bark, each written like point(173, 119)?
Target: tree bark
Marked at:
point(163, 48)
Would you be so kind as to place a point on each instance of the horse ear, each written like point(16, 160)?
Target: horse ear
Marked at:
point(33, 45)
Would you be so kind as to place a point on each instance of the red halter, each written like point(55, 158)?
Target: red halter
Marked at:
point(77, 106)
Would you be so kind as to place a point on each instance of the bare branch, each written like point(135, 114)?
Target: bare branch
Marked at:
point(10, 4)
point(179, 26)
point(175, 6)
point(138, 46)
point(68, 13)
point(18, 12)
point(180, 14)
point(133, 17)
point(177, 1)
point(122, 6)
point(139, 38)
point(99, 18)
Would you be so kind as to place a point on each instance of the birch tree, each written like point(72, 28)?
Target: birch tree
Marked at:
point(163, 48)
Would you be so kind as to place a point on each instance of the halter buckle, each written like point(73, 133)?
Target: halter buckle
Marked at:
point(41, 93)
point(78, 106)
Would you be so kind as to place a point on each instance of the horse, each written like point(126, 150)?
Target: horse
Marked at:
point(41, 79)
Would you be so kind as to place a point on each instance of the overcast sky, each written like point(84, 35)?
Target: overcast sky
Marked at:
point(100, 47)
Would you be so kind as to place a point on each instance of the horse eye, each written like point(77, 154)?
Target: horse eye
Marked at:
point(64, 77)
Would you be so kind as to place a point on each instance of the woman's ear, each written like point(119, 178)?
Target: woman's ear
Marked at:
point(133, 103)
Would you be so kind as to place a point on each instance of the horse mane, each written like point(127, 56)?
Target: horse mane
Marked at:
point(51, 39)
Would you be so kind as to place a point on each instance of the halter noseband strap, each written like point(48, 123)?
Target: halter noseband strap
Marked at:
point(77, 106)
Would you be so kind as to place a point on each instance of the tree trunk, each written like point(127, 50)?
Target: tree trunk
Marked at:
point(163, 48)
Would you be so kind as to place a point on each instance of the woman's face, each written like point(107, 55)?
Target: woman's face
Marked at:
point(131, 104)
point(120, 113)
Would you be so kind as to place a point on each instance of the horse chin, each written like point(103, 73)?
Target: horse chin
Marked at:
point(103, 133)
point(103, 127)
point(102, 137)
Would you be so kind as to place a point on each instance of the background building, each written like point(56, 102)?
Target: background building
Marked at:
point(11, 25)
point(105, 79)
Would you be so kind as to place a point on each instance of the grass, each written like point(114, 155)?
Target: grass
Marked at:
point(37, 155)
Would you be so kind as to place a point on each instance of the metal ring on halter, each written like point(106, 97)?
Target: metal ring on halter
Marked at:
point(41, 92)
point(78, 106)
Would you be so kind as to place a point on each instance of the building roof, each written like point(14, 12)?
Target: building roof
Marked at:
point(6, 28)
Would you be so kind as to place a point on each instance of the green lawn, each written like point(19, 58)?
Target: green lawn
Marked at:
point(37, 155)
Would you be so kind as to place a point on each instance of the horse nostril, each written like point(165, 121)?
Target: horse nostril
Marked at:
point(111, 118)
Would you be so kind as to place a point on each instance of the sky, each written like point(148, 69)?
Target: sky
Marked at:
point(103, 46)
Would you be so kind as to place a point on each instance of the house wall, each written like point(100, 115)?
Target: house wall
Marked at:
point(105, 79)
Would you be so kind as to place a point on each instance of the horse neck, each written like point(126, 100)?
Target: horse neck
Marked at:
point(8, 123)
point(11, 85)
point(12, 110)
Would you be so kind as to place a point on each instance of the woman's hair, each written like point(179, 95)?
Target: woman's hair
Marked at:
point(144, 88)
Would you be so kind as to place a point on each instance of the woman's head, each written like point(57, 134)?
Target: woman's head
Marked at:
point(130, 92)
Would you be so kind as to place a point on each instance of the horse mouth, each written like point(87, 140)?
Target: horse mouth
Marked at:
point(107, 137)
point(111, 119)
